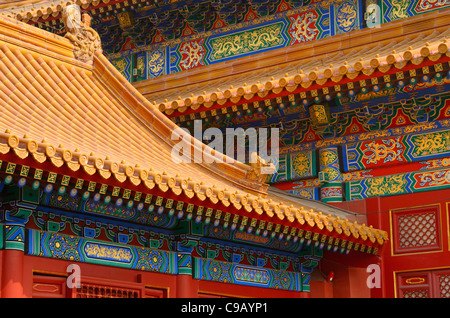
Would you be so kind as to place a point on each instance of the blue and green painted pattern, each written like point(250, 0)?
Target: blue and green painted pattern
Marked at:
point(311, 193)
point(116, 207)
point(398, 184)
point(14, 237)
point(397, 150)
point(304, 24)
point(296, 165)
point(232, 273)
point(79, 249)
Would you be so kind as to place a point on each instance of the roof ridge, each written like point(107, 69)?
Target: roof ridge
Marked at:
point(40, 42)
point(312, 71)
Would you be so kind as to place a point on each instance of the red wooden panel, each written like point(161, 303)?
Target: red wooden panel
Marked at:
point(414, 285)
point(46, 286)
point(205, 295)
point(424, 284)
point(416, 230)
point(155, 293)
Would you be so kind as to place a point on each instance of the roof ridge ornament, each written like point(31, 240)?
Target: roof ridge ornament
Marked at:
point(259, 168)
point(85, 39)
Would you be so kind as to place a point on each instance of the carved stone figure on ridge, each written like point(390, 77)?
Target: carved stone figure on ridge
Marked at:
point(85, 39)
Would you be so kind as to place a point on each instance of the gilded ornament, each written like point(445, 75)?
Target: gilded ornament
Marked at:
point(387, 185)
point(155, 63)
point(319, 115)
point(327, 157)
point(399, 9)
point(246, 41)
point(346, 16)
point(125, 19)
point(430, 144)
point(301, 164)
point(303, 27)
point(85, 40)
point(331, 174)
point(113, 253)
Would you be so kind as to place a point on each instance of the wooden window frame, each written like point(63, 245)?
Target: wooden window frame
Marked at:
point(395, 216)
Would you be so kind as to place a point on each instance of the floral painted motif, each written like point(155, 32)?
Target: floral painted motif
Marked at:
point(435, 178)
point(192, 54)
point(303, 27)
point(427, 5)
point(64, 247)
point(383, 151)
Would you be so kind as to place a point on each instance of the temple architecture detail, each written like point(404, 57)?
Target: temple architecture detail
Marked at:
point(85, 40)
point(92, 91)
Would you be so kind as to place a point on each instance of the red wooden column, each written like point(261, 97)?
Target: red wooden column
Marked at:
point(18, 209)
point(187, 286)
point(375, 218)
point(13, 254)
point(12, 274)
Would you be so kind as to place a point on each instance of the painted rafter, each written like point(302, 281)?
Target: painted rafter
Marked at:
point(329, 82)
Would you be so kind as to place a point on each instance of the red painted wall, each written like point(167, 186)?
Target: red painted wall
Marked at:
point(45, 277)
point(380, 214)
point(417, 269)
point(350, 270)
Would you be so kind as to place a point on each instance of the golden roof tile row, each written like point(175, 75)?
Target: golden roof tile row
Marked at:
point(35, 9)
point(297, 215)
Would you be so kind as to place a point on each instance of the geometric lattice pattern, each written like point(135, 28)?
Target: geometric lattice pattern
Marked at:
point(417, 230)
point(444, 284)
point(98, 291)
point(418, 293)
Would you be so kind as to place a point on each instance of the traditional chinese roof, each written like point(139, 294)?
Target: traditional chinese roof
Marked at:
point(148, 21)
point(86, 121)
point(16, 3)
point(308, 67)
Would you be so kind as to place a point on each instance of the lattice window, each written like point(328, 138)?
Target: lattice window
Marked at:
point(419, 293)
point(416, 229)
point(98, 291)
point(444, 286)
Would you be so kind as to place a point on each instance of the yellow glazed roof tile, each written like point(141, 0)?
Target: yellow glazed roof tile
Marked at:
point(87, 118)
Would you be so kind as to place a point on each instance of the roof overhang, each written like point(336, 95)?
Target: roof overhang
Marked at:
point(44, 87)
